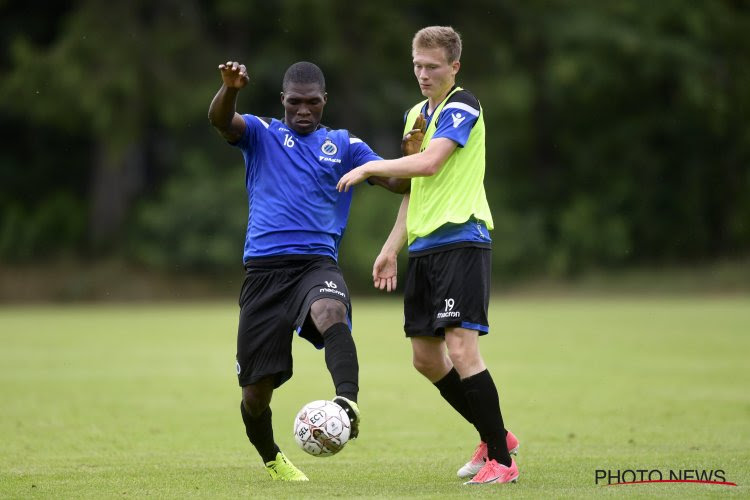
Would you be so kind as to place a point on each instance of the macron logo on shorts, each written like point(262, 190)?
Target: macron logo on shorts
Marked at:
point(332, 289)
point(449, 312)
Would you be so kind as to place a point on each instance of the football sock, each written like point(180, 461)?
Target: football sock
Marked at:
point(484, 401)
point(452, 390)
point(341, 360)
point(260, 433)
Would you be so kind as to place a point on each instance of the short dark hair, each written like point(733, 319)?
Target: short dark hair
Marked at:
point(304, 72)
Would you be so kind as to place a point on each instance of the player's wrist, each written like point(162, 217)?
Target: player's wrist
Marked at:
point(231, 88)
point(388, 252)
point(367, 170)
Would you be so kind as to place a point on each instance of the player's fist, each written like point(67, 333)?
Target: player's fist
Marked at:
point(234, 75)
point(412, 141)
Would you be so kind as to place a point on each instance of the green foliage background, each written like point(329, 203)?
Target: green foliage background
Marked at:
point(618, 130)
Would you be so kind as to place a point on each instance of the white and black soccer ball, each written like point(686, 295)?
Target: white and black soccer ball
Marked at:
point(322, 428)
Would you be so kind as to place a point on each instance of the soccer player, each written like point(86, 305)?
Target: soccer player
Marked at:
point(446, 219)
point(295, 224)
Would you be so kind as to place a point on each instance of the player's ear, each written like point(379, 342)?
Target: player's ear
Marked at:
point(282, 97)
point(456, 66)
point(325, 97)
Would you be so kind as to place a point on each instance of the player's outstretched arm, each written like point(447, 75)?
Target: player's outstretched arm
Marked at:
point(222, 112)
point(385, 268)
point(424, 164)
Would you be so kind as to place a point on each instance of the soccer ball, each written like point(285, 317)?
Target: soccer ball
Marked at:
point(322, 428)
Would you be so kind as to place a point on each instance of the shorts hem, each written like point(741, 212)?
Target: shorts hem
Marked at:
point(316, 338)
point(438, 329)
point(279, 378)
point(468, 325)
point(422, 333)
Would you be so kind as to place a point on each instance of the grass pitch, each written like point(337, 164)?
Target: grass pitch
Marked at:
point(134, 401)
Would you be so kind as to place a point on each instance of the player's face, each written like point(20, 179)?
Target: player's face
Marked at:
point(434, 73)
point(303, 106)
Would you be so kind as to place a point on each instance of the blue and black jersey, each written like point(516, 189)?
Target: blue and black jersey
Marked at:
point(294, 207)
point(459, 115)
point(455, 122)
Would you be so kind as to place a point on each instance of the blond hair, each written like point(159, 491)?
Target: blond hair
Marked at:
point(443, 37)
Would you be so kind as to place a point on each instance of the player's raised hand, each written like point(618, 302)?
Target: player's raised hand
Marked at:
point(234, 75)
point(412, 141)
point(384, 272)
point(420, 123)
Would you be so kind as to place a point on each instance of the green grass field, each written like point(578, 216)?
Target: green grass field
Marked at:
point(134, 401)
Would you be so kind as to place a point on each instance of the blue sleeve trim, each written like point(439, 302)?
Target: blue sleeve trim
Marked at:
point(475, 326)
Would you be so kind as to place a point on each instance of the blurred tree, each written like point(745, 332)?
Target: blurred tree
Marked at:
point(197, 223)
point(117, 75)
point(617, 131)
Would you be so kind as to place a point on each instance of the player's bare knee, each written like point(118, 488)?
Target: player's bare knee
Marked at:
point(464, 358)
point(460, 358)
point(419, 364)
point(425, 369)
point(428, 366)
point(462, 344)
point(467, 361)
point(327, 312)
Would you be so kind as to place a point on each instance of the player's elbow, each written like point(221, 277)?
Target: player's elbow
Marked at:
point(224, 129)
point(216, 123)
point(429, 167)
point(218, 120)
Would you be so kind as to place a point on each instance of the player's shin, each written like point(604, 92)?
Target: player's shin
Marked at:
point(259, 431)
point(452, 390)
point(341, 360)
point(484, 401)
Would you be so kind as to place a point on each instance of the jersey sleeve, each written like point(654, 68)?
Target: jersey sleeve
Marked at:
point(360, 152)
point(458, 117)
point(253, 124)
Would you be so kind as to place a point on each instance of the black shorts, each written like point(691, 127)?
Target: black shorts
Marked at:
point(275, 301)
point(447, 289)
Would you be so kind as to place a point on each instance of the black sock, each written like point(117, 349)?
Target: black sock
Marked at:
point(260, 433)
point(341, 360)
point(484, 402)
point(452, 390)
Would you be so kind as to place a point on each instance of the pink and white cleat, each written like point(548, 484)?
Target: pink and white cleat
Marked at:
point(511, 441)
point(477, 461)
point(493, 472)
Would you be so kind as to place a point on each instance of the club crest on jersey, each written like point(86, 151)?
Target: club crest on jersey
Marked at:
point(329, 148)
